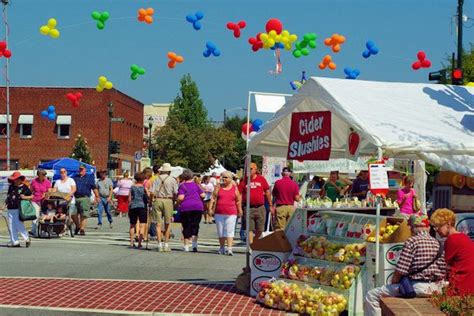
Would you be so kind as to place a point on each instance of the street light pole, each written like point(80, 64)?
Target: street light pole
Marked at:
point(7, 83)
point(109, 152)
point(150, 149)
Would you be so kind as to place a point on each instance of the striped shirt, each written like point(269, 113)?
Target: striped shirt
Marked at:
point(418, 251)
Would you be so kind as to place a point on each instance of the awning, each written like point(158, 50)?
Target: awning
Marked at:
point(3, 118)
point(63, 120)
point(25, 119)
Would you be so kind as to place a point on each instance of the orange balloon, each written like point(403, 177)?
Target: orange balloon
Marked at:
point(332, 66)
point(150, 11)
point(171, 55)
point(171, 64)
point(142, 12)
point(148, 19)
point(322, 66)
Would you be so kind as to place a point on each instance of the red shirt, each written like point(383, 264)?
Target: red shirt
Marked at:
point(226, 201)
point(258, 186)
point(459, 256)
point(284, 191)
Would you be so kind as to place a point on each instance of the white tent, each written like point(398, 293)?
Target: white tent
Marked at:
point(217, 168)
point(431, 122)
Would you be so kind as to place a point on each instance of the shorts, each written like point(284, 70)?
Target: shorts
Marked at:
point(163, 208)
point(225, 225)
point(83, 206)
point(283, 215)
point(137, 214)
point(257, 218)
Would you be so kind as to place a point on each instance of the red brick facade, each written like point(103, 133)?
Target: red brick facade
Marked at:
point(90, 119)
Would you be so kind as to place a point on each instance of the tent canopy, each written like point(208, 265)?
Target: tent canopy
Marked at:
point(431, 122)
point(217, 168)
point(71, 165)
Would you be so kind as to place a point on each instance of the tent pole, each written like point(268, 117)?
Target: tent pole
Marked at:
point(377, 227)
point(247, 202)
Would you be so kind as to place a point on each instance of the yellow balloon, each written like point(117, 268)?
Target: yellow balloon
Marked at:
point(109, 85)
point(285, 33)
point(102, 80)
point(54, 33)
point(264, 37)
point(293, 37)
point(99, 89)
point(272, 33)
point(44, 30)
point(52, 23)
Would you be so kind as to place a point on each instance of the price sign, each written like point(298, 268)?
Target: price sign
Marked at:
point(378, 179)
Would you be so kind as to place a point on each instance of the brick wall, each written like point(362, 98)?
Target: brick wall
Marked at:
point(90, 119)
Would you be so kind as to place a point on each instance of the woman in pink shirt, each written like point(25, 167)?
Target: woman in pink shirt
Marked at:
point(228, 206)
point(39, 187)
point(123, 186)
point(406, 196)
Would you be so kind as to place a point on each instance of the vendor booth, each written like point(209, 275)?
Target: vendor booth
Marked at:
point(347, 247)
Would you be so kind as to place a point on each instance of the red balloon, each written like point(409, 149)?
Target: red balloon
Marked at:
point(421, 55)
point(416, 65)
point(247, 128)
point(3, 45)
point(426, 63)
point(274, 25)
point(7, 53)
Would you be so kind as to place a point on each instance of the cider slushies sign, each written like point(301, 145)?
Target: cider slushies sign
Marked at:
point(310, 136)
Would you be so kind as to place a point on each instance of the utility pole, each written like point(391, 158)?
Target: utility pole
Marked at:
point(7, 83)
point(460, 5)
point(109, 152)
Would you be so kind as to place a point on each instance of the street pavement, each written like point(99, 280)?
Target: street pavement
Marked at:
point(104, 254)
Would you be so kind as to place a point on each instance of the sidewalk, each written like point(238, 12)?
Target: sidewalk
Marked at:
point(125, 297)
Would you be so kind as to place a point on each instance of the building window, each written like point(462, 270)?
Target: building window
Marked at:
point(3, 125)
point(26, 130)
point(3, 130)
point(64, 131)
point(64, 126)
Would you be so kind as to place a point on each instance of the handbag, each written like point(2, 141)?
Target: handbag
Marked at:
point(27, 211)
point(406, 289)
point(416, 205)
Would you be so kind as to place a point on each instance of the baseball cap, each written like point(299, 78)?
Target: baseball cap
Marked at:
point(82, 166)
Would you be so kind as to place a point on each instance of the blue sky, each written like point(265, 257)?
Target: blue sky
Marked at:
point(82, 53)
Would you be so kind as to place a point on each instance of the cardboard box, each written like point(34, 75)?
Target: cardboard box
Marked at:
point(388, 254)
point(265, 265)
point(268, 255)
point(400, 235)
point(276, 242)
point(385, 277)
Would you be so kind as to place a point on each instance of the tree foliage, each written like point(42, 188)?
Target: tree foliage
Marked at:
point(81, 151)
point(467, 65)
point(188, 139)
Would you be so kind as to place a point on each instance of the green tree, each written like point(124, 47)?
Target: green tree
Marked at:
point(187, 107)
point(467, 65)
point(188, 139)
point(81, 151)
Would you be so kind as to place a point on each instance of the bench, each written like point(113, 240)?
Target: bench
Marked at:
point(396, 306)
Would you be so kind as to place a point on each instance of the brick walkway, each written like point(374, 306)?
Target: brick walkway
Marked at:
point(129, 296)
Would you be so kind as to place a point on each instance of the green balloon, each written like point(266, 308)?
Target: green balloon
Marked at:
point(100, 25)
point(134, 68)
point(305, 51)
point(104, 16)
point(134, 76)
point(297, 53)
point(141, 71)
point(312, 44)
point(96, 15)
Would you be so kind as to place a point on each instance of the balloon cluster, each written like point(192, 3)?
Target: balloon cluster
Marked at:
point(50, 29)
point(74, 98)
point(302, 47)
point(146, 15)
point(335, 41)
point(174, 59)
point(371, 49)
point(4, 51)
point(275, 37)
point(296, 85)
point(256, 42)
point(251, 129)
point(136, 70)
point(195, 20)
point(422, 61)
point(104, 84)
point(49, 113)
point(211, 49)
point(100, 17)
point(327, 62)
point(236, 27)
point(351, 73)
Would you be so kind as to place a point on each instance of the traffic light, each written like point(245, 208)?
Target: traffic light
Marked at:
point(457, 76)
point(439, 75)
point(114, 147)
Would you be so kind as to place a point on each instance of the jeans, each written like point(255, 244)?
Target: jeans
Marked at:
point(372, 298)
point(16, 226)
point(104, 204)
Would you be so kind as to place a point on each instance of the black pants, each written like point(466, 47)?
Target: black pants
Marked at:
point(190, 221)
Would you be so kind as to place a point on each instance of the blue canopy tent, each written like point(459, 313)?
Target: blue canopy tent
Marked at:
point(70, 164)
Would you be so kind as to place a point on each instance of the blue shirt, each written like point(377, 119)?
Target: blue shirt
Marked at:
point(84, 185)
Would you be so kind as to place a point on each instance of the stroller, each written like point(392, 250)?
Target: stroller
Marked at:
point(54, 217)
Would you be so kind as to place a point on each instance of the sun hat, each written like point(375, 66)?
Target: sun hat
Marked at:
point(16, 175)
point(419, 220)
point(166, 167)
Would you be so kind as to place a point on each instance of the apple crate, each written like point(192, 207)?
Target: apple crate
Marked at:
point(385, 277)
point(388, 255)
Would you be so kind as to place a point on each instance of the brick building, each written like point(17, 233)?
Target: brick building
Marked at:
point(35, 139)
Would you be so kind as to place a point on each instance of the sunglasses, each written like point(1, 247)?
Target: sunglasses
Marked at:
point(63, 171)
point(225, 177)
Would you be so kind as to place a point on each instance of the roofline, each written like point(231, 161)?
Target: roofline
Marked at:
point(73, 87)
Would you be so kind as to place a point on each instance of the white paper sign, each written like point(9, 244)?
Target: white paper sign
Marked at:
point(378, 178)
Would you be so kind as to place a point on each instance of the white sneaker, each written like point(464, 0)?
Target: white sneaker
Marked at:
point(186, 248)
point(229, 252)
point(167, 248)
point(160, 247)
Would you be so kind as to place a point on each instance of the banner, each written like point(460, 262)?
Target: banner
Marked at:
point(310, 136)
point(272, 168)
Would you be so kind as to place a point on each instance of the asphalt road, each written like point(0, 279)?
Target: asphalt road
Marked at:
point(104, 254)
